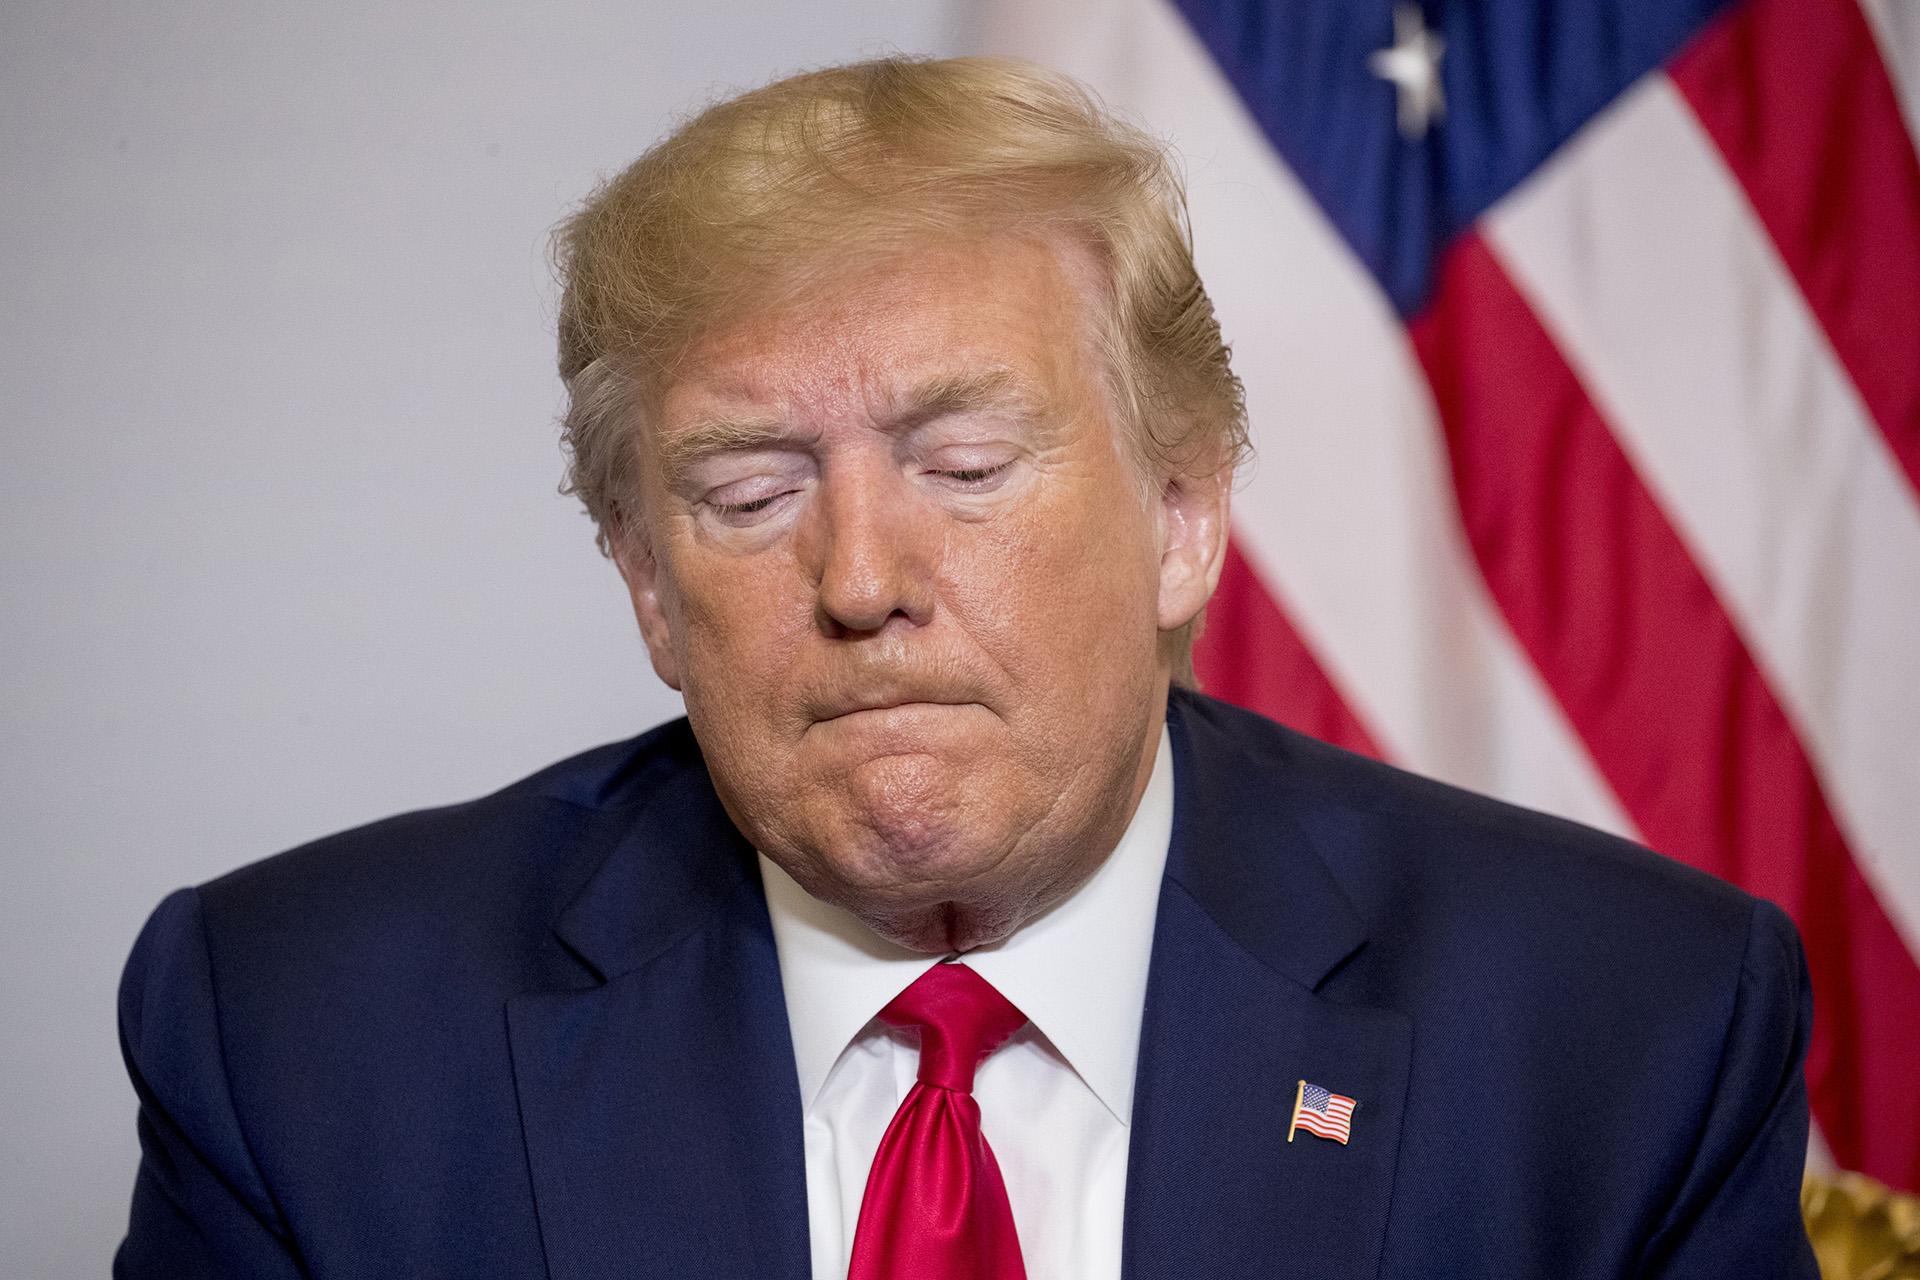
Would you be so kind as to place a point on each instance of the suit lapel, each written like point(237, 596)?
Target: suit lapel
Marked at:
point(660, 1106)
point(1250, 924)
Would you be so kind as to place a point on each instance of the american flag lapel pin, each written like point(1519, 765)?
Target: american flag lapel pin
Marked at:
point(1323, 1113)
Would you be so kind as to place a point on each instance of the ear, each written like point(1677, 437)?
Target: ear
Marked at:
point(1193, 519)
point(633, 553)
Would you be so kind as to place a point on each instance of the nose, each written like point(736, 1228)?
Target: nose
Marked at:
point(873, 554)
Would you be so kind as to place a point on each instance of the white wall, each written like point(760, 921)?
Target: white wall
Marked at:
point(280, 547)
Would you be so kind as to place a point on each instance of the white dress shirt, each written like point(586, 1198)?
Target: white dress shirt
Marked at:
point(1056, 1100)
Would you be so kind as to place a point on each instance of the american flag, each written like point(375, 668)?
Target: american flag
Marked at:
point(1319, 1111)
point(1582, 347)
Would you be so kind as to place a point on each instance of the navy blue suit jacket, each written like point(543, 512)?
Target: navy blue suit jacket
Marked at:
point(542, 1033)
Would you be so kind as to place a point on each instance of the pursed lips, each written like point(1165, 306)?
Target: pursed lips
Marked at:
point(893, 704)
point(897, 696)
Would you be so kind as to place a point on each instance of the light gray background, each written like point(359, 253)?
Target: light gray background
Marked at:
point(280, 546)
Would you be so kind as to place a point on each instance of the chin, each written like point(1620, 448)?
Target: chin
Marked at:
point(930, 890)
point(916, 818)
point(944, 929)
point(918, 870)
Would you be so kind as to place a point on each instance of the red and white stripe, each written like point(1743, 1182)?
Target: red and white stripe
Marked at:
point(1336, 1124)
point(1626, 524)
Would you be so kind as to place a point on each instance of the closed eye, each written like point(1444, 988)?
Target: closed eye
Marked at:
point(742, 514)
point(747, 508)
point(974, 475)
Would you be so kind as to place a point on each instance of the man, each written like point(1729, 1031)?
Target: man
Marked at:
point(950, 934)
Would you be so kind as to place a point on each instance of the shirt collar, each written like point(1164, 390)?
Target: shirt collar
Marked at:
point(1079, 971)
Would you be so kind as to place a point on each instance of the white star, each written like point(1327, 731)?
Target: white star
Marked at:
point(1412, 66)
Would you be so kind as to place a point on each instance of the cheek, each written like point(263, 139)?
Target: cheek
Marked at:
point(738, 628)
point(1067, 589)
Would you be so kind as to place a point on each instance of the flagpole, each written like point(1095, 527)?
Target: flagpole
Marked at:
point(1299, 1096)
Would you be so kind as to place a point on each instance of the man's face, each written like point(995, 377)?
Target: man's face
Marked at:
point(897, 556)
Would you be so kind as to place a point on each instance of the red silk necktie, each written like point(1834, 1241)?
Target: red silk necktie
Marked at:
point(935, 1207)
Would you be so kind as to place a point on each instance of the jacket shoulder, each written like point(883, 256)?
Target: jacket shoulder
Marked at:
point(610, 779)
point(1395, 838)
point(454, 887)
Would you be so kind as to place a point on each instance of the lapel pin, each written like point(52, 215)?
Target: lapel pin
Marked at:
point(1323, 1113)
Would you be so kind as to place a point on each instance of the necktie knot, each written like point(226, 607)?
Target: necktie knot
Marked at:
point(961, 1018)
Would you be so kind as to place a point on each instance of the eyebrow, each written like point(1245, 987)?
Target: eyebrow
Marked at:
point(712, 434)
point(957, 393)
point(943, 396)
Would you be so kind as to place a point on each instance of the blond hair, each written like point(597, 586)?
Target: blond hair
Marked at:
point(756, 197)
